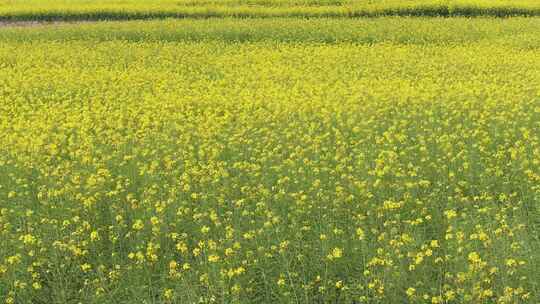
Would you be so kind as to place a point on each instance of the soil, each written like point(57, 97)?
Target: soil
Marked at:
point(11, 24)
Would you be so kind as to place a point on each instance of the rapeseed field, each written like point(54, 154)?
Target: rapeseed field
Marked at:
point(17, 10)
point(277, 160)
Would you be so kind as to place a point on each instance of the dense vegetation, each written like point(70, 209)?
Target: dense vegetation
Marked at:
point(17, 10)
point(385, 160)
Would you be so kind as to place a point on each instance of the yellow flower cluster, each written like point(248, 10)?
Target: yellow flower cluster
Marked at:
point(138, 165)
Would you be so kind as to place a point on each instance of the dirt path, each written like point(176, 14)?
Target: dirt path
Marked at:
point(12, 24)
point(20, 23)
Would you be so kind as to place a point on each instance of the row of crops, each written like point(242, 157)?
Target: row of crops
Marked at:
point(24, 10)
